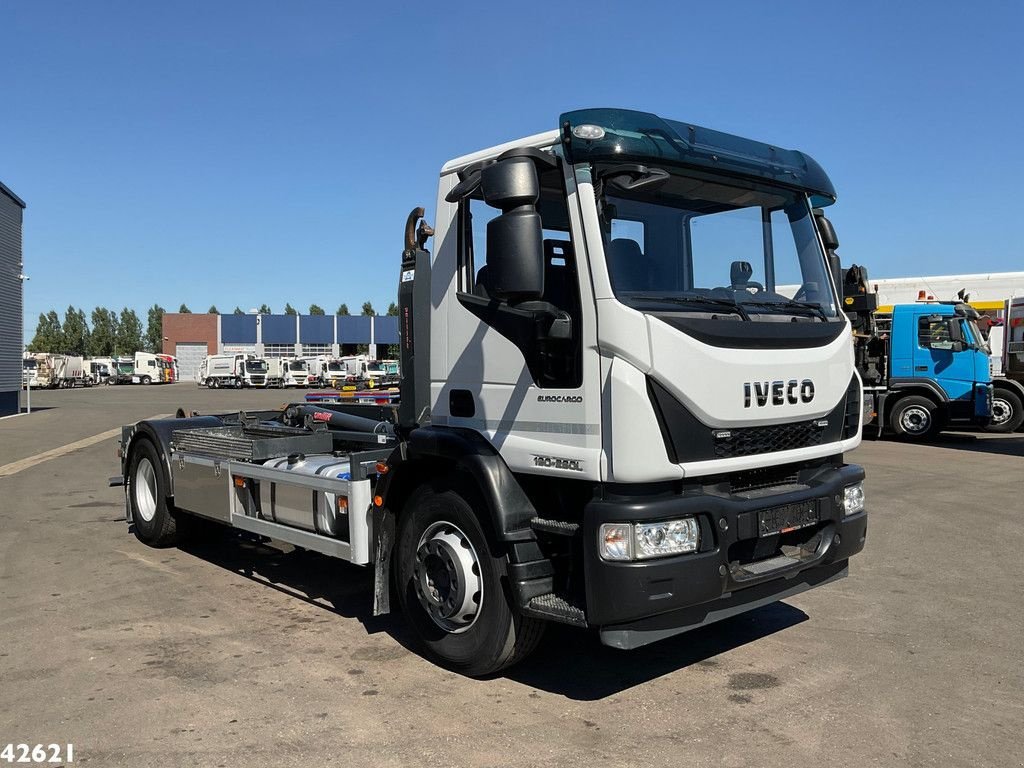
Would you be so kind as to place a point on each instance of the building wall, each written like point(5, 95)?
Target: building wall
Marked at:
point(277, 335)
point(11, 300)
point(190, 329)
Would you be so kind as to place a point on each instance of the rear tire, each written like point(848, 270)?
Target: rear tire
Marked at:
point(153, 522)
point(1007, 411)
point(913, 418)
point(450, 584)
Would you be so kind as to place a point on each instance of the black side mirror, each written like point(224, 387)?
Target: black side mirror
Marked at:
point(831, 241)
point(515, 239)
point(828, 233)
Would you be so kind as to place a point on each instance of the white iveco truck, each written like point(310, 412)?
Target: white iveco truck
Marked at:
point(611, 416)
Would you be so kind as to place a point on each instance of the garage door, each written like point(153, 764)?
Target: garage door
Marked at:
point(190, 355)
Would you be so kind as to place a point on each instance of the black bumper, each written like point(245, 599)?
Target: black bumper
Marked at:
point(634, 603)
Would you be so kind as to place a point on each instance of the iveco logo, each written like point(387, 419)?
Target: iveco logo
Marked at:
point(777, 392)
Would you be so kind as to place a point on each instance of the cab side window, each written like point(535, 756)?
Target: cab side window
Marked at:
point(552, 363)
point(934, 334)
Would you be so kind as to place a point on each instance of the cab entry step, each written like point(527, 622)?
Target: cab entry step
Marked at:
point(551, 606)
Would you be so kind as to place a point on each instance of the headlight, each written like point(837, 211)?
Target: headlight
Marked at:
point(853, 499)
point(672, 537)
point(643, 541)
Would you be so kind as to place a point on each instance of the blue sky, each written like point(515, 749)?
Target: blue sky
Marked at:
point(247, 152)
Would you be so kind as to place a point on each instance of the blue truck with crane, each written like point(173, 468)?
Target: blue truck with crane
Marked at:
point(924, 368)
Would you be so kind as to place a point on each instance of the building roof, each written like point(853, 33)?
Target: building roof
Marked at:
point(6, 190)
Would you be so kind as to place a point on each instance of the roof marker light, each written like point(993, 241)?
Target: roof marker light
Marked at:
point(588, 132)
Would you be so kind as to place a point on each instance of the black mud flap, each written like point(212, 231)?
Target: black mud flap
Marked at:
point(384, 524)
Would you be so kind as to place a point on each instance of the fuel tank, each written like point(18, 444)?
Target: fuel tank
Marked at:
point(306, 508)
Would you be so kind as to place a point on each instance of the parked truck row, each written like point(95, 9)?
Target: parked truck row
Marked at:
point(248, 370)
point(53, 371)
point(611, 416)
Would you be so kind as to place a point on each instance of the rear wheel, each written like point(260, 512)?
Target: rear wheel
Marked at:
point(450, 585)
point(153, 522)
point(1007, 411)
point(913, 417)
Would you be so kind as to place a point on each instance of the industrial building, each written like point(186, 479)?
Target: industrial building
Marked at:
point(11, 300)
point(191, 337)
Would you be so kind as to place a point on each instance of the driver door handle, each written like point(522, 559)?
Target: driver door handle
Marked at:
point(920, 367)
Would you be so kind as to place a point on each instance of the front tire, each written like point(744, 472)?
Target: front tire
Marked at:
point(153, 522)
point(913, 418)
point(450, 584)
point(146, 380)
point(1007, 411)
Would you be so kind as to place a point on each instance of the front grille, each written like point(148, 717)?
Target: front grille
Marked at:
point(750, 441)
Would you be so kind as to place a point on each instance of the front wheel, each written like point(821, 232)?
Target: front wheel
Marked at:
point(913, 417)
point(153, 522)
point(449, 584)
point(146, 380)
point(1007, 411)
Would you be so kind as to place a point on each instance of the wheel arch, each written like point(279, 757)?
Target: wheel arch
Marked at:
point(905, 390)
point(158, 432)
point(1010, 385)
point(436, 456)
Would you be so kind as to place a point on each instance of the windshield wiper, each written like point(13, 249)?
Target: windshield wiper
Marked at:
point(697, 301)
point(784, 305)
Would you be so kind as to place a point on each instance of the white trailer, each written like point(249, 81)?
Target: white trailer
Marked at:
point(605, 420)
point(276, 367)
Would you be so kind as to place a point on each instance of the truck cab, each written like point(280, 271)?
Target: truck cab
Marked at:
point(613, 415)
point(935, 371)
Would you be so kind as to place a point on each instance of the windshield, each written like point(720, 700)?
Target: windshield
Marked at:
point(979, 338)
point(296, 366)
point(256, 366)
point(335, 367)
point(29, 364)
point(374, 368)
point(696, 244)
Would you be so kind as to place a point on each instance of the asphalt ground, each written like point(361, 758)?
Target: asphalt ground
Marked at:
point(231, 653)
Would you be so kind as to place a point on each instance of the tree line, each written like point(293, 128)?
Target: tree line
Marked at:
point(111, 333)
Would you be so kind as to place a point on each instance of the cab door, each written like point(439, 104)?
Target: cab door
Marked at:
point(536, 400)
point(941, 354)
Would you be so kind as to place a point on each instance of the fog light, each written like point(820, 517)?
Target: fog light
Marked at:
point(669, 537)
point(616, 541)
point(853, 499)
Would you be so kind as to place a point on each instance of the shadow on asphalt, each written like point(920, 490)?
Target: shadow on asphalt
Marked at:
point(569, 662)
point(1003, 445)
point(574, 664)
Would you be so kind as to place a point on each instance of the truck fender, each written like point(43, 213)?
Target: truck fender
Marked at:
point(431, 453)
point(159, 431)
point(1011, 385)
point(907, 385)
